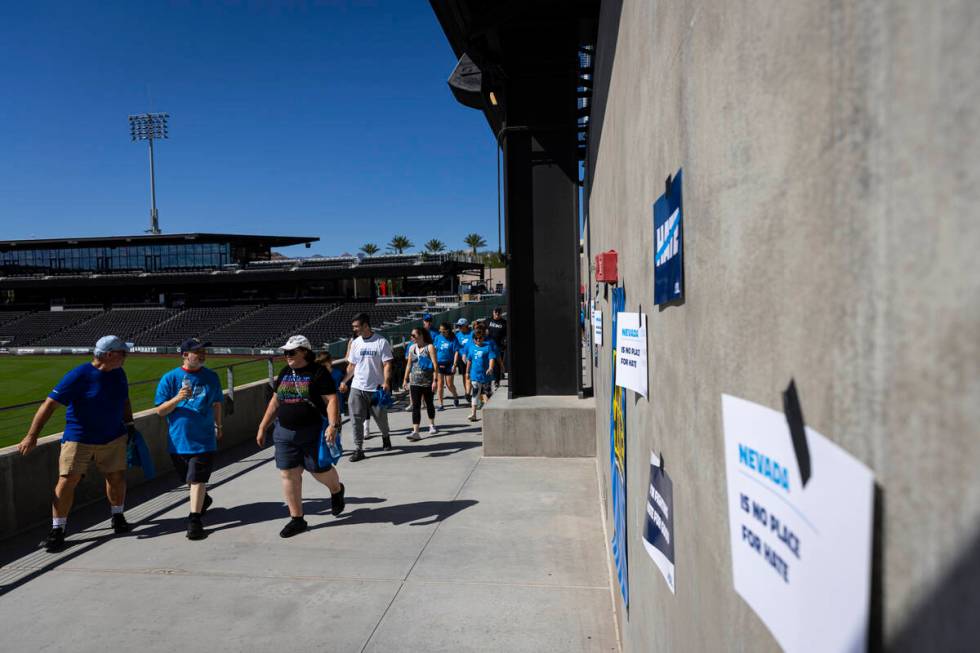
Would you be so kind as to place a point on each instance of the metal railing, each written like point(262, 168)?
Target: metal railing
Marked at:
point(16, 419)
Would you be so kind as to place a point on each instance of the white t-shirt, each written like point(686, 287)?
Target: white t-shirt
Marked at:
point(368, 357)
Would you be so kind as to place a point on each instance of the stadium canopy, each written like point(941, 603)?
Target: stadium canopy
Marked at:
point(161, 239)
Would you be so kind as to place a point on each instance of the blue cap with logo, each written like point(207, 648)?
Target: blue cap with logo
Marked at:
point(462, 321)
point(110, 343)
point(427, 316)
point(193, 343)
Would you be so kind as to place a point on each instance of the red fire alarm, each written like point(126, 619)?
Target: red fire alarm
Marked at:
point(606, 267)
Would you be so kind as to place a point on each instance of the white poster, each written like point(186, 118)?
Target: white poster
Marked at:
point(801, 556)
point(631, 352)
point(596, 326)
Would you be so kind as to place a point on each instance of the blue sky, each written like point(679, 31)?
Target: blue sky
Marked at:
point(328, 119)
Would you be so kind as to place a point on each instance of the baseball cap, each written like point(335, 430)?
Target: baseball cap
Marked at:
point(295, 342)
point(427, 316)
point(193, 343)
point(462, 321)
point(110, 343)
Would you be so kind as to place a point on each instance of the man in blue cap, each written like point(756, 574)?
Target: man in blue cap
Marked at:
point(96, 423)
point(190, 398)
point(427, 323)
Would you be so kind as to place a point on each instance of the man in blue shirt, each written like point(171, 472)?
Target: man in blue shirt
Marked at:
point(96, 422)
point(481, 359)
point(427, 324)
point(190, 398)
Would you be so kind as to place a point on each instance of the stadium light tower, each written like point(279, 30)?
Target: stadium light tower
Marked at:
point(149, 127)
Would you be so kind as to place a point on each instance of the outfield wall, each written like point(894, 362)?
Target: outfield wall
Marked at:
point(28, 481)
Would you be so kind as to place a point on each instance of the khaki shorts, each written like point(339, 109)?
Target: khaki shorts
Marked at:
point(76, 457)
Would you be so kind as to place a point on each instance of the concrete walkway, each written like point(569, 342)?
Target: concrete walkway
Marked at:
point(439, 550)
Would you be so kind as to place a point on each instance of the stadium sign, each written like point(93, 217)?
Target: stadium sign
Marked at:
point(146, 350)
point(220, 350)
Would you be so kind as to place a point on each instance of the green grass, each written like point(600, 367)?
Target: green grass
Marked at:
point(26, 379)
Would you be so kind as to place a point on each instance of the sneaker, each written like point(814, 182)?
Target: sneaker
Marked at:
point(357, 455)
point(195, 529)
point(472, 418)
point(337, 502)
point(414, 436)
point(433, 430)
point(385, 443)
point(207, 504)
point(442, 407)
point(456, 403)
point(119, 524)
point(295, 526)
point(55, 541)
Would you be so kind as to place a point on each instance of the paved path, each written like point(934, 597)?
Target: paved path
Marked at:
point(439, 550)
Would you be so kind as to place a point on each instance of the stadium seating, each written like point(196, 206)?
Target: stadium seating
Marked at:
point(34, 327)
point(272, 323)
point(336, 325)
point(6, 317)
point(126, 323)
point(193, 322)
point(239, 325)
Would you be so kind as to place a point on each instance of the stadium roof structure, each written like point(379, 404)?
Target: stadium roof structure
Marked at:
point(158, 239)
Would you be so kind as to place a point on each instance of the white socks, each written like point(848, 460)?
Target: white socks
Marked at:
point(59, 522)
point(116, 510)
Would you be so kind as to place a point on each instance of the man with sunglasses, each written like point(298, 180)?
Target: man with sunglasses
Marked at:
point(96, 423)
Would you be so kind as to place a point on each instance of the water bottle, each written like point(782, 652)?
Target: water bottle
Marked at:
point(329, 454)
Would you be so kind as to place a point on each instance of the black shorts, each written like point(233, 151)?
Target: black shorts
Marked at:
point(446, 368)
point(193, 467)
point(299, 448)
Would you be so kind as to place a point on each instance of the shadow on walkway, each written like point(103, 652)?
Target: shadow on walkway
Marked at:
point(432, 512)
point(219, 518)
point(85, 519)
point(434, 450)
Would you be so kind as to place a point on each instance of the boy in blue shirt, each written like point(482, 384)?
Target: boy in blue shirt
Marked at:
point(463, 337)
point(481, 358)
point(190, 398)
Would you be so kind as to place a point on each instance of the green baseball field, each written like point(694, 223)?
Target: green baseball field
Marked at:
point(27, 379)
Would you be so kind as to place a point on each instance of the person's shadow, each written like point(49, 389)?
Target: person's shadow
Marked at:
point(421, 513)
point(219, 518)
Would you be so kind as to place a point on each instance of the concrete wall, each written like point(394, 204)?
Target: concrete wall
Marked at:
point(554, 426)
point(831, 175)
point(28, 481)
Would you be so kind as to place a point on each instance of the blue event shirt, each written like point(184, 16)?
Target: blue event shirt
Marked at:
point(96, 401)
point(480, 357)
point(192, 421)
point(446, 349)
point(463, 340)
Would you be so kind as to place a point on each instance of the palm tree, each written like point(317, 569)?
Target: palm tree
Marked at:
point(475, 241)
point(399, 244)
point(370, 249)
point(435, 246)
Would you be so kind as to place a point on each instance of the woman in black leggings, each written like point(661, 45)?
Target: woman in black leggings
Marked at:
point(422, 377)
